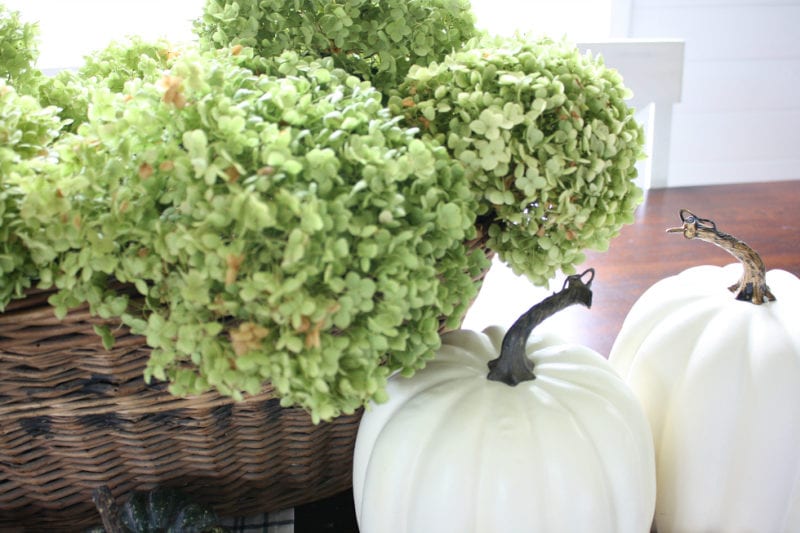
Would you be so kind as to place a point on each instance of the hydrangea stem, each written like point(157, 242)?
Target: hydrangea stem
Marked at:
point(752, 287)
point(513, 366)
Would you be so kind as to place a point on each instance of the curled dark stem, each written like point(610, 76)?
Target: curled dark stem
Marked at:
point(513, 366)
point(107, 507)
point(752, 287)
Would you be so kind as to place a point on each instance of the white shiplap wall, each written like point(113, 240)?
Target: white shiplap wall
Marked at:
point(739, 117)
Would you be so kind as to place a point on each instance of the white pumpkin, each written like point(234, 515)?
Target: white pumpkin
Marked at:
point(453, 451)
point(719, 380)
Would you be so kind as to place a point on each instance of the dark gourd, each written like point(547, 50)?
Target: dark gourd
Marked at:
point(160, 510)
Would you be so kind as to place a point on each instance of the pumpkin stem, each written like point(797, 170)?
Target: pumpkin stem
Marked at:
point(752, 287)
point(107, 507)
point(513, 366)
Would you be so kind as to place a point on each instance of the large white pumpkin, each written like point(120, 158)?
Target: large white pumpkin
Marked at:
point(452, 451)
point(719, 380)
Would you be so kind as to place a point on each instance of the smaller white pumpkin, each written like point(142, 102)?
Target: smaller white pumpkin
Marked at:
point(566, 449)
point(719, 379)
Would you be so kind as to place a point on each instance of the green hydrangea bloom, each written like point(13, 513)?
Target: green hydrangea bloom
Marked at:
point(18, 52)
point(26, 133)
point(281, 229)
point(112, 67)
point(375, 40)
point(547, 137)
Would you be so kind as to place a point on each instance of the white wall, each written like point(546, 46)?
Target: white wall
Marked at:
point(739, 115)
point(70, 29)
point(586, 20)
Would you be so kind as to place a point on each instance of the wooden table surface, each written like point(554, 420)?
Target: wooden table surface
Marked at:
point(766, 216)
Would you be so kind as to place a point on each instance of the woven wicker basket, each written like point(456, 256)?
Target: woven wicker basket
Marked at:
point(75, 416)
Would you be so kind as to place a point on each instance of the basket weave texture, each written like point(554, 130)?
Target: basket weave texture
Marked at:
point(75, 416)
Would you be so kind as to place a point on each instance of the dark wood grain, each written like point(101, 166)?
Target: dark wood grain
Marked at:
point(764, 215)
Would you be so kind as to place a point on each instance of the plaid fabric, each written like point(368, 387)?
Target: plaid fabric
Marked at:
point(275, 522)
